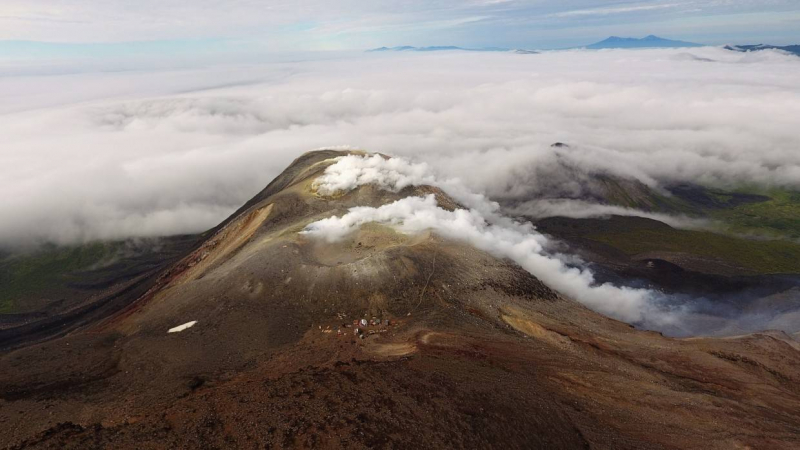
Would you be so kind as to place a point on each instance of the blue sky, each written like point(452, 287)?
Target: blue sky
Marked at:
point(180, 27)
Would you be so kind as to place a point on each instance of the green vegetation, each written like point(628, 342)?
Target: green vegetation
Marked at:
point(777, 217)
point(755, 255)
point(24, 276)
point(772, 213)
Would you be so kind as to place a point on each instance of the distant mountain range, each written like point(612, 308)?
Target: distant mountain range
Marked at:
point(439, 48)
point(645, 42)
point(795, 49)
point(610, 43)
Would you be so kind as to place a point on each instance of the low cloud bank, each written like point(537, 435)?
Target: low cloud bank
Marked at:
point(153, 152)
point(578, 209)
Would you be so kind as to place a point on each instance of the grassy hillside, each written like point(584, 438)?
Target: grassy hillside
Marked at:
point(773, 213)
point(35, 274)
point(32, 281)
point(778, 217)
point(759, 256)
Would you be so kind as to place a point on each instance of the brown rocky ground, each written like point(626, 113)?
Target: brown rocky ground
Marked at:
point(477, 353)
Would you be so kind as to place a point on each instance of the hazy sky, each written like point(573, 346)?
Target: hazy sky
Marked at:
point(112, 27)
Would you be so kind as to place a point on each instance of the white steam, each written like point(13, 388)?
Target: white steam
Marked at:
point(501, 237)
point(392, 174)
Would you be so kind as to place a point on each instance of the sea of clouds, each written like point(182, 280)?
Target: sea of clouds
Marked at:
point(155, 152)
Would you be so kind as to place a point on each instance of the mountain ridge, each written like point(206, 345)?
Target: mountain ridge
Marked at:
point(650, 41)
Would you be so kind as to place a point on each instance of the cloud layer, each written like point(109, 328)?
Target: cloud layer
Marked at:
point(160, 152)
point(579, 209)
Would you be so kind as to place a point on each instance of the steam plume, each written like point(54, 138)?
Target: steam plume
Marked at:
point(501, 237)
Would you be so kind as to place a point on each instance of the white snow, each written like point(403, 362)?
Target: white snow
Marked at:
point(180, 328)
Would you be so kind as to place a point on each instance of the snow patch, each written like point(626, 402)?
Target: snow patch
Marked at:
point(180, 328)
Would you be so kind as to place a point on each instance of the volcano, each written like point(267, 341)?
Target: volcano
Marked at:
point(314, 318)
point(650, 41)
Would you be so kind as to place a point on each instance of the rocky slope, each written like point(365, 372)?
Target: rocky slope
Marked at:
point(460, 349)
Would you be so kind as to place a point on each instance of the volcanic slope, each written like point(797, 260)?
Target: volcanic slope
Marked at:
point(735, 253)
point(469, 351)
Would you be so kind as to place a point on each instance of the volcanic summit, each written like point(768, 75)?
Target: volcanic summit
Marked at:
point(328, 313)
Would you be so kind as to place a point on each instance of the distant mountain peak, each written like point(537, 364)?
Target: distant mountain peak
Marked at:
point(650, 41)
